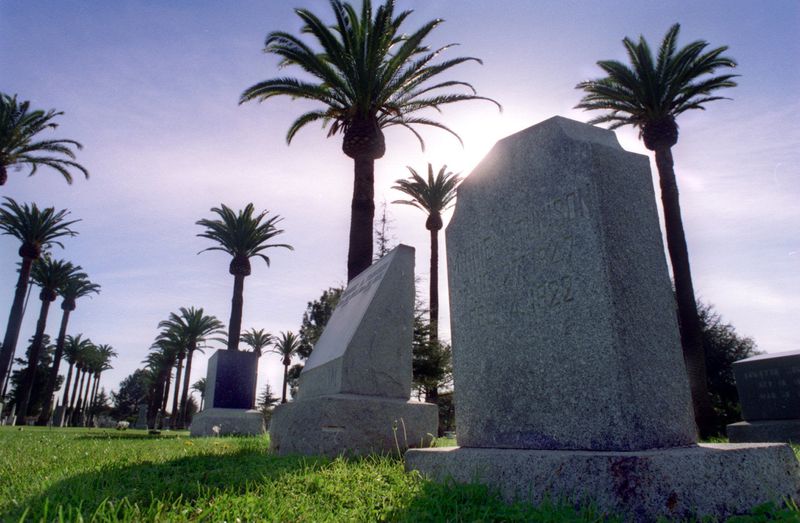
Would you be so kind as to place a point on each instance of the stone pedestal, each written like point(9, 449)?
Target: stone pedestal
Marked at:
point(230, 422)
point(352, 424)
point(768, 430)
point(569, 377)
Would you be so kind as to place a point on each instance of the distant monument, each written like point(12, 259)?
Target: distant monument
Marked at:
point(230, 397)
point(769, 391)
point(569, 378)
point(141, 419)
point(353, 395)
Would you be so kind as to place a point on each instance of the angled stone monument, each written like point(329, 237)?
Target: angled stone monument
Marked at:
point(569, 377)
point(230, 397)
point(769, 391)
point(353, 394)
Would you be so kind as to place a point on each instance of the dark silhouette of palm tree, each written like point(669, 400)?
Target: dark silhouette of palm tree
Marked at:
point(368, 75)
point(49, 275)
point(242, 236)
point(159, 361)
point(257, 339)
point(99, 364)
point(649, 95)
point(286, 346)
point(76, 287)
point(36, 229)
point(200, 387)
point(19, 127)
point(74, 347)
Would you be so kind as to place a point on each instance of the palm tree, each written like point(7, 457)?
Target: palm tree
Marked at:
point(49, 275)
point(257, 339)
point(200, 387)
point(36, 229)
point(100, 364)
point(194, 327)
point(18, 129)
point(649, 95)
point(369, 76)
point(78, 397)
point(76, 287)
point(74, 348)
point(286, 346)
point(243, 236)
point(433, 196)
point(160, 361)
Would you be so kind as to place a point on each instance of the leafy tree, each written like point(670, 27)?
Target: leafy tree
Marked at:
point(649, 95)
point(132, 393)
point(77, 286)
point(99, 405)
point(242, 236)
point(315, 318)
point(49, 275)
point(431, 360)
point(286, 346)
point(37, 229)
point(384, 240)
point(192, 408)
point(266, 403)
point(433, 196)
point(368, 75)
point(22, 375)
point(20, 145)
point(293, 378)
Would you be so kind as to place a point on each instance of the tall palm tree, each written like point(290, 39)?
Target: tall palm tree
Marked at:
point(243, 236)
point(76, 287)
point(432, 196)
point(160, 360)
point(36, 229)
point(49, 275)
point(368, 76)
point(257, 339)
point(100, 364)
point(194, 327)
point(78, 396)
point(286, 346)
point(200, 387)
point(649, 95)
point(20, 146)
point(74, 348)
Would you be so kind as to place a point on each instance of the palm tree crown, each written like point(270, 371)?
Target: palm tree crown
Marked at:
point(19, 127)
point(286, 345)
point(77, 286)
point(433, 195)
point(35, 228)
point(257, 339)
point(51, 275)
point(653, 91)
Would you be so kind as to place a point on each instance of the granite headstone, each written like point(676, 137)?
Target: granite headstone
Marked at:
point(353, 393)
point(569, 378)
point(141, 419)
point(769, 392)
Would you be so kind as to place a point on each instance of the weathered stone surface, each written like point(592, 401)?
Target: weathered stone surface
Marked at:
point(231, 422)
point(366, 345)
point(355, 387)
point(786, 430)
point(769, 386)
point(351, 424)
point(557, 271)
point(713, 480)
point(231, 379)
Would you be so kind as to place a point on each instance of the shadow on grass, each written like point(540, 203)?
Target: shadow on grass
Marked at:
point(113, 434)
point(115, 488)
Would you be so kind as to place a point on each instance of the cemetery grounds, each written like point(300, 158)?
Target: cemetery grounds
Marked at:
point(108, 475)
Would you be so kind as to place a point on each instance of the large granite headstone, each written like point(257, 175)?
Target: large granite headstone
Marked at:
point(769, 392)
point(230, 393)
point(353, 393)
point(569, 378)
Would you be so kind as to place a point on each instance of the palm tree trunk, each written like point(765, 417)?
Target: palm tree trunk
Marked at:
point(176, 396)
point(165, 390)
point(93, 396)
point(689, 322)
point(53, 376)
point(237, 303)
point(78, 400)
point(33, 362)
point(86, 404)
point(65, 400)
point(434, 285)
point(285, 377)
point(72, 401)
point(185, 394)
point(362, 209)
point(155, 401)
point(15, 318)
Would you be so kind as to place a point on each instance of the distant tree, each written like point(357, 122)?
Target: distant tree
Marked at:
point(192, 408)
point(431, 360)
point(99, 405)
point(266, 403)
point(200, 387)
point(257, 340)
point(286, 346)
point(132, 393)
point(384, 240)
point(367, 75)
point(649, 95)
point(21, 144)
point(242, 236)
point(293, 378)
point(723, 346)
point(21, 375)
point(315, 318)
point(99, 364)
point(36, 229)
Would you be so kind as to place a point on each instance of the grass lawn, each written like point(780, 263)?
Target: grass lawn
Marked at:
point(107, 475)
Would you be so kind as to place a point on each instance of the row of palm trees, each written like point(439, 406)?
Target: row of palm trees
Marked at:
point(88, 361)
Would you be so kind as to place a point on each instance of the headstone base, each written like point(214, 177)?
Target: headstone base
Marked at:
point(786, 430)
point(351, 424)
point(717, 480)
point(231, 422)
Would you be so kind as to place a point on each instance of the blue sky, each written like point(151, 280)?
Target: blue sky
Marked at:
point(151, 89)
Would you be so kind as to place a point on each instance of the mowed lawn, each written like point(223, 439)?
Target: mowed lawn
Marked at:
point(108, 475)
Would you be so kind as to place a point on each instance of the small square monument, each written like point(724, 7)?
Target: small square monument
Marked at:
point(230, 395)
point(353, 394)
point(569, 378)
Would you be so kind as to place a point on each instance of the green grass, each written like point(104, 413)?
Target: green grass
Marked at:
point(107, 475)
